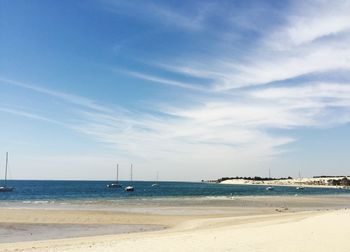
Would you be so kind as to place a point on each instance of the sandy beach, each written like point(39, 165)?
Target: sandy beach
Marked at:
point(268, 223)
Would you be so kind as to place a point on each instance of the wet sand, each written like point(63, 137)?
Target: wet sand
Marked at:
point(17, 232)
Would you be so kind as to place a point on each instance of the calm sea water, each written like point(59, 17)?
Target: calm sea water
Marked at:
point(89, 190)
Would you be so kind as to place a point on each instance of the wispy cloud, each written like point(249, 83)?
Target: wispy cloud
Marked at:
point(174, 132)
point(75, 99)
point(221, 131)
point(313, 104)
point(303, 44)
point(163, 81)
point(161, 13)
point(29, 115)
point(310, 21)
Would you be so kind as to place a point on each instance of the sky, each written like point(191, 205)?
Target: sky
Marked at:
point(190, 89)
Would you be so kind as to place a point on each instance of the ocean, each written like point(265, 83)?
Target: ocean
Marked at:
point(35, 190)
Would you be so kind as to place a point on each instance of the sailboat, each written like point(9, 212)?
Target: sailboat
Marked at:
point(300, 187)
point(116, 184)
point(156, 184)
point(130, 188)
point(6, 188)
point(269, 188)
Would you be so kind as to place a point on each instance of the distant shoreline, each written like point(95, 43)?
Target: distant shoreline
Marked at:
point(315, 182)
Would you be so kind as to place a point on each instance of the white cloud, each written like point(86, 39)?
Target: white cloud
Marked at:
point(311, 90)
point(216, 131)
point(164, 81)
point(313, 39)
point(266, 65)
point(312, 20)
point(314, 104)
point(286, 66)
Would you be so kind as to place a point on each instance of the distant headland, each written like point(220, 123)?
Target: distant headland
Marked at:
point(316, 181)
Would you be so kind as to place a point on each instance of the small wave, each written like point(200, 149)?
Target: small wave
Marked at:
point(38, 202)
point(41, 202)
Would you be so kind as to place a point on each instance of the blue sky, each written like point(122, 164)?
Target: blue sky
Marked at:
point(192, 89)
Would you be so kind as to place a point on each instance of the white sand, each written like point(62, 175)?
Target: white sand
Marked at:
point(303, 231)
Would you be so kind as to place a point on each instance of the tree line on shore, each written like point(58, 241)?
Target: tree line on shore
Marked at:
point(339, 182)
point(256, 178)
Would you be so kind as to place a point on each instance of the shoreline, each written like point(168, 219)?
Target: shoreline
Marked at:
point(283, 183)
point(287, 185)
point(130, 204)
point(200, 220)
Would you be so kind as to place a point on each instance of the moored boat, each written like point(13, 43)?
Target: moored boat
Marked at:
point(5, 188)
point(116, 184)
point(130, 188)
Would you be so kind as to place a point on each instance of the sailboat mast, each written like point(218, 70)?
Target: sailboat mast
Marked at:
point(131, 174)
point(7, 157)
point(117, 173)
